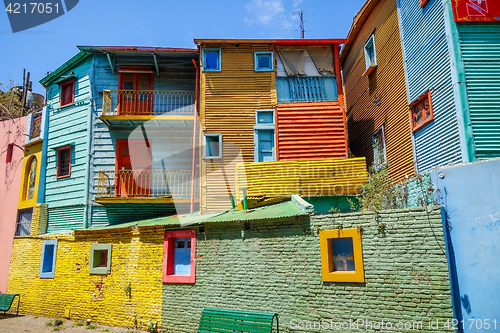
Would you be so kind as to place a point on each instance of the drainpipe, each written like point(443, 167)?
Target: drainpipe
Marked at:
point(194, 135)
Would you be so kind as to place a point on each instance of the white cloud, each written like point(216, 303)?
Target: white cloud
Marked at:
point(296, 3)
point(264, 12)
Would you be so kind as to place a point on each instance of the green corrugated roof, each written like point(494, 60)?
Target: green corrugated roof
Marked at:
point(272, 212)
point(55, 75)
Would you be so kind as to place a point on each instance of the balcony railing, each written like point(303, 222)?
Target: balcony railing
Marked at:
point(306, 89)
point(147, 102)
point(145, 184)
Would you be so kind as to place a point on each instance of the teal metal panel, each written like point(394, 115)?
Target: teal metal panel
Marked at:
point(427, 66)
point(64, 219)
point(480, 45)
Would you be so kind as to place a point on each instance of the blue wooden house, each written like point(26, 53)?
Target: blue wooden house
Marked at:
point(452, 67)
point(120, 136)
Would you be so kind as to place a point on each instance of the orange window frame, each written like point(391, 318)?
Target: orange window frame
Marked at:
point(59, 152)
point(423, 3)
point(70, 85)
point(421, 101)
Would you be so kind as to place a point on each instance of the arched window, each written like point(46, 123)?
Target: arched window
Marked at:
point(30, 180)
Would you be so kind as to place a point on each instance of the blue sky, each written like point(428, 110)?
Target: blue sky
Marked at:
point(163, 23)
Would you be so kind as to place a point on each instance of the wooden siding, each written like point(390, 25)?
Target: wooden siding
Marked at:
point(228, 101)
point(304, 177)
point(428, 66)
point(310, 130)
point(68, 126)
point(381, 98)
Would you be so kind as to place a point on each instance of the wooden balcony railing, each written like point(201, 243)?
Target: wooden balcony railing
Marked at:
point(145, 184)
point(147, 102)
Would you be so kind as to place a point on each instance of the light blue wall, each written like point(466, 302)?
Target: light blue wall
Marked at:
point(470, 197)
point(427, 66)
point(68, 125)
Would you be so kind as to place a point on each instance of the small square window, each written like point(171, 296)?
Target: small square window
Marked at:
point(48, 262)
point(179, 251)
point(10, 151)
point(67, 93)
point(100, 259)
point(370, 56)
point(212, 147)
point(378, 142)
point(211, 60)
point(64, 162)
point(421, 111)
point(341, 255)
point(264, 61)
point(264, 116)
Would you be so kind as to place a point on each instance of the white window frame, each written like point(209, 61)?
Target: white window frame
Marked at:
point(370, 65)
point(205, 146)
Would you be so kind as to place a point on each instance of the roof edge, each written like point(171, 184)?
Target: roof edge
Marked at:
point(80, 56)
point(324, 41)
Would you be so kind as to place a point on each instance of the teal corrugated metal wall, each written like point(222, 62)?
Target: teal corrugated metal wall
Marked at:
point(480, 44)
point(427, 66)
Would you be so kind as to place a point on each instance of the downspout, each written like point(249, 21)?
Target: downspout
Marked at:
point(88, 207)
point(459, 85)
point(193, 173)
point(340, 94)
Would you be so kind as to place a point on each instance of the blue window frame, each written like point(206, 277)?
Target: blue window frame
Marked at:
point(264, 61)
point(212, 147)
point(264, 131)
point(48, 262)
point(370, 53)
point(211, 60)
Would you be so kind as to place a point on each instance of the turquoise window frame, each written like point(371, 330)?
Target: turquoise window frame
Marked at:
point(204, 54)
point(263, 127)
point(271, 61)
point(48, 274)
point(205, 146)
point(93, 250)
point(370, 43)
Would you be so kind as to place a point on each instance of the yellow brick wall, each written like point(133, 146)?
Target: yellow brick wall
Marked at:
point(136, 258)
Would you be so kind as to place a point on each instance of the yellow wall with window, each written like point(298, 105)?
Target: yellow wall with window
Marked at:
point(136, 259)
point(30, 177)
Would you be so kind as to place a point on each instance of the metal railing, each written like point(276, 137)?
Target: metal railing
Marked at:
point(145, 184)
point(148, 102)
point(308, 88)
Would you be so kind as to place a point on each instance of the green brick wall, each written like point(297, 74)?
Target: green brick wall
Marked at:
point(276, 267)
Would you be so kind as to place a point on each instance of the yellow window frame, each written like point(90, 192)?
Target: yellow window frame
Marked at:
point(329, 275)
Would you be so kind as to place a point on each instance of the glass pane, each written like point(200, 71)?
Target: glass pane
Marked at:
point(182, 257)
point(103, 258)
point(417, 111)
point(213, 146)
point(427, 109)
point(265, 117)
point(264, 61)
point(128, 81)
point(211, 60)
point(48, 258)
point(64, 162)
point(342, 254)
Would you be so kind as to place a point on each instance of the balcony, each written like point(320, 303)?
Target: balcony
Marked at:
point(306, 89)
point(148, 186)
point(308, 178)
point(125, 108)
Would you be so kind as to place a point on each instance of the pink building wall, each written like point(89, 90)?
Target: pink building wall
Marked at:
point(10, 181)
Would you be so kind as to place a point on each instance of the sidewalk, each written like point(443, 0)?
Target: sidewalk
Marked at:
point(9, 323)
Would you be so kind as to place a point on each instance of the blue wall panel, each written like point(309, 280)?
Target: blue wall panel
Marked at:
point(427, 66)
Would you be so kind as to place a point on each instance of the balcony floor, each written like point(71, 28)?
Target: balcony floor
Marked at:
point(143, 200)
point(135, 121)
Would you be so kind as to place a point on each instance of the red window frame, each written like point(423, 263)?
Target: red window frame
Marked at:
point(420, 102)
point(70, 85)
point(103, 258)
point(10, 151)
point(59, 152)
point(423, 3)
point(168, 257)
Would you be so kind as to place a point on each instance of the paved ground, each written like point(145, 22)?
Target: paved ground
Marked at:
point(27, 323)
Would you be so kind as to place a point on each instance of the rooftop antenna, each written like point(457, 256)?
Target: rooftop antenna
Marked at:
point(302, 29)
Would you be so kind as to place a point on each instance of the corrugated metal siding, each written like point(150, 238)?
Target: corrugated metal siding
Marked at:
point(381, 98)
point(305, 177)
point(310, 130)
point(63, 219)
point(480, 44)
point(427, 65)
point(228, 102)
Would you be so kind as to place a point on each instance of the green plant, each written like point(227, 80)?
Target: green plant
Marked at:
point(57, 328)
point(79, 323)
point(128, 289)
point(50, 323)
point(334, 210)
point(353, 205)
point(106, 330)
point(152, 326)
point(381, 192)
point(91, 327)
point(381, 228)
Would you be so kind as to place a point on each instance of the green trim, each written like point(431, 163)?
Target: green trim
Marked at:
point(53, 77)
point(92, 265)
